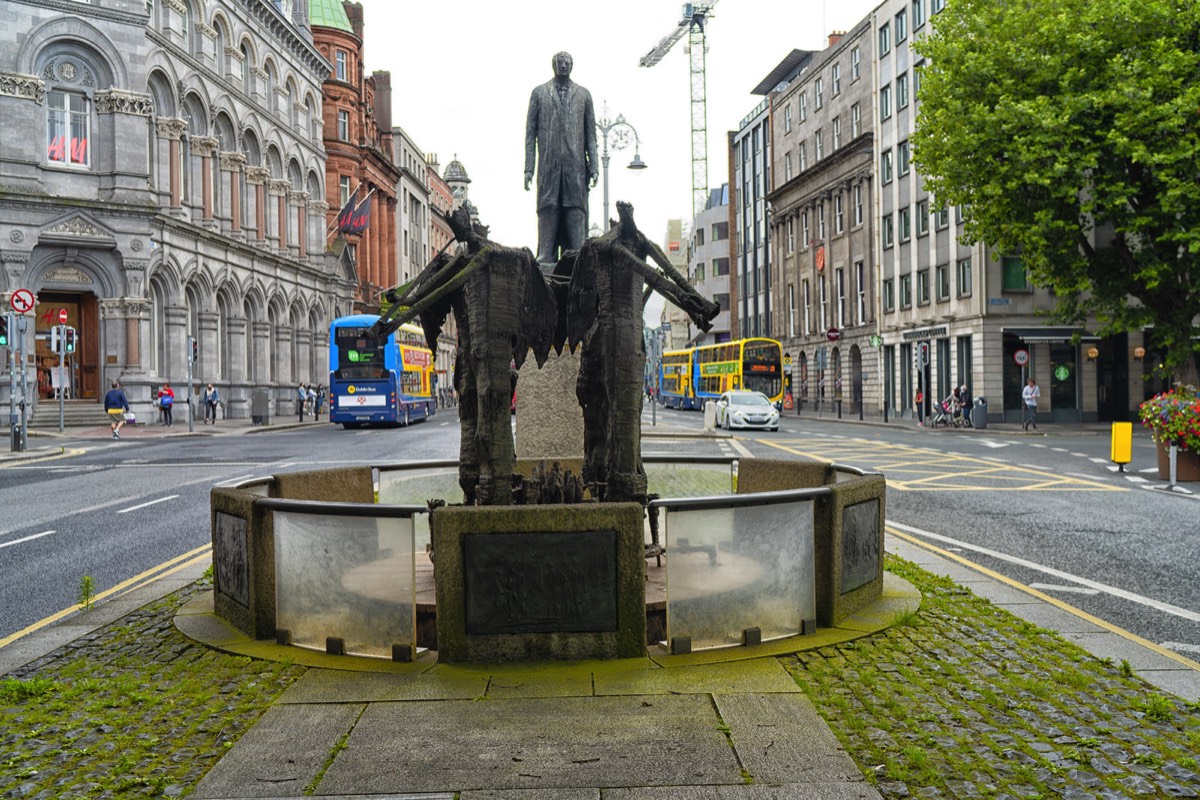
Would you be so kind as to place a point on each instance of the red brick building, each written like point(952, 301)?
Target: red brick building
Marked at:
point(357, 134)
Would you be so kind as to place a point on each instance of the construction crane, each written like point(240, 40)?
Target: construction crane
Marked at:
point(695, 16)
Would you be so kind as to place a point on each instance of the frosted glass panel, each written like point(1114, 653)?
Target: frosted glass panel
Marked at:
point(417, 487)
point(689, 480)
point(347, 577)
point(729, 569)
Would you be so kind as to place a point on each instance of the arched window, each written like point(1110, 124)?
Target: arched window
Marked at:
point(247, 69)
point(72, 71)
point(272, 105)
point(186, 27)
point(158, 327)
point(221, 62)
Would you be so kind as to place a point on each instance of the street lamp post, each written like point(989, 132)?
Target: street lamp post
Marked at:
point(621, 130)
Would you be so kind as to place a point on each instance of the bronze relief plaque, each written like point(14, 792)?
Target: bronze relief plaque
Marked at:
point(860, 544)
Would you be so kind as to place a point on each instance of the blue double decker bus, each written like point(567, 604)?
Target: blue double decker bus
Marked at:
point(373, 381)
point(692, 376)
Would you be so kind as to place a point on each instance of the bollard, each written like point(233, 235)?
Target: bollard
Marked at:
point(1121, 450)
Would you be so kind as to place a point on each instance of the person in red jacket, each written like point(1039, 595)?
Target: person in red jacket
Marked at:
point(166, 399)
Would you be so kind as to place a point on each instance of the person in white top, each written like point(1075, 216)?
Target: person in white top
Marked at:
point(1029, 397)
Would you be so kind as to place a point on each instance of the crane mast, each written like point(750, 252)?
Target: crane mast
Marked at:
point(695, 17)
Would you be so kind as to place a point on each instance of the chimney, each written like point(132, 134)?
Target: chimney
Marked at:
point(432, 160)
point(835, 37)
point(354, 11)
point(383, 99)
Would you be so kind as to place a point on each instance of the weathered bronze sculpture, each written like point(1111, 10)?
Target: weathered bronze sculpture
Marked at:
point(604, 313)
point(504, 310)
point(560, 129)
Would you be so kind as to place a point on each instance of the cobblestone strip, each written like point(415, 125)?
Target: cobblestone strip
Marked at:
point(966, 700)
point(133, 710)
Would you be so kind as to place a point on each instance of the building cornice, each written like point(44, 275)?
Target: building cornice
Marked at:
point(75, 9)
point(286, 31)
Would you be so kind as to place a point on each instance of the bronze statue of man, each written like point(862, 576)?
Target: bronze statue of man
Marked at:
point(561, 129)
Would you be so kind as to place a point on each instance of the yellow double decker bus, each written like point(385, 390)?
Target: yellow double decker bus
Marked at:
point(693, 376)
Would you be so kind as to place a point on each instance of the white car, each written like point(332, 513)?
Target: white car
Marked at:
point(743, 409)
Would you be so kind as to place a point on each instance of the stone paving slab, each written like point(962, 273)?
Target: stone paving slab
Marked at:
point(336, 686)
point(804, 791)
point(567, 743)
point(284, 751)
point(531, 794)
point(1051, 617)
point(761, 675)
point(780, 738)
point(420, 796)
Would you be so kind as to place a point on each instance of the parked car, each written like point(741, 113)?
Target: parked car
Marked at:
point(744, 409)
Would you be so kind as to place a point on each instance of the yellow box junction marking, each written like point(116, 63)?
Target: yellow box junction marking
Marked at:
point(915, 469)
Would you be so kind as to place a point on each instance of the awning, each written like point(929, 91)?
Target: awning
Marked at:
point(1051, 334)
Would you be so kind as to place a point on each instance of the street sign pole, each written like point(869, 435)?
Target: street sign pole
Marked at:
point(12, 384)
point(190, 350)
point(22, 326)
point(62, 387)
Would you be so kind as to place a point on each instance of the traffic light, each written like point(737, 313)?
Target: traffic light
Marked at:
point(195, 350)
point(54, 344)
point(4, 331)
point(68, 340)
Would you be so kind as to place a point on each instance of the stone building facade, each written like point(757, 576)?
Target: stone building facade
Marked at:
point(162, 178)
point(822, 224)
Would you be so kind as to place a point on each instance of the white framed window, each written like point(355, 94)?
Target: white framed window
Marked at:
point(806, 309)
point(819, 92)
point(964, 277)
point(791, 234)
point(860, 311)
point(787, 166)
point(823, 305)
point(855, 121)
point(855, 63)
point(839, 216)
point(902, 157)
point(341, 65)
point(942, 281)
point(905, 224)
point(885, 102)
point(343, 129)
point(887, 231)
point(787, 118)
point(922, 217)
point(902, 90)
point(343, 190)
point(905, 291)
point(942, 220)
point(68, 128)
point(918, 14)
point(840, 311)
point(885, 166)
point(837, 132)
point(885, 40)
point(858, 205)
point(804, 229)
point(803, 156)
point(923, 287)
point(936, 5)
point(889, 295)
point(803, 106)
point(791, 314)
point(835, 79)
point(821, 220)
point(902, 26)
point(819, 145)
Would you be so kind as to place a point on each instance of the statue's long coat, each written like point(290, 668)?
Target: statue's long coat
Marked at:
point(562, 132)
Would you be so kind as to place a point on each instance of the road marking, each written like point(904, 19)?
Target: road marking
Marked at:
point(1080, 455)
point(1182, 647)
point(232, 480)
point(741, 448)
point(1136, 479)
point(1053, 587)
point(992, 444)
point(1054, 601)
point(1098, 460)
point(164, 569)
point(1043, 446)
point(1059, 449)
point(26, 538)
point(1157, 605)
point(151, 503)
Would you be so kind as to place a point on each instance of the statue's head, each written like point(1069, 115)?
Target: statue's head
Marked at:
point(562, 64)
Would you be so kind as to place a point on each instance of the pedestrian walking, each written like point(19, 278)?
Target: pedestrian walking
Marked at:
point(166, 399)
point(301, 400)
point(964, 394)
point(116, 405)
point(211, 398)
point(312, 401)
point(320, 400)
point(1029, 397)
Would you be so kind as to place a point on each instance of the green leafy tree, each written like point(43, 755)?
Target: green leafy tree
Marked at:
point(1071, 129)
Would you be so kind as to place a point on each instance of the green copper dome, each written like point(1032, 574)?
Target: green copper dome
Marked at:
point(328, 14)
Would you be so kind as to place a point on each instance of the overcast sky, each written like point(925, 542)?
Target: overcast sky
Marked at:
point(462, 71)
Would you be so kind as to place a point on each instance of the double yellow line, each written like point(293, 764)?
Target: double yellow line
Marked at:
point(182, 562)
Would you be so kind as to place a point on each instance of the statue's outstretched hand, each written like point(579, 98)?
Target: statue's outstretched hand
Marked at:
point(528, 180)
point(592, 179)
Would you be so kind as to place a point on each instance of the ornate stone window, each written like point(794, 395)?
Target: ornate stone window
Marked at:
point(68, 128)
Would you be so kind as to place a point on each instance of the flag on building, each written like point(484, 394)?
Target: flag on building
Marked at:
point(355, 218)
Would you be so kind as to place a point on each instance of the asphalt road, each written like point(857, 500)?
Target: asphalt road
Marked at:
point(1045, 511)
